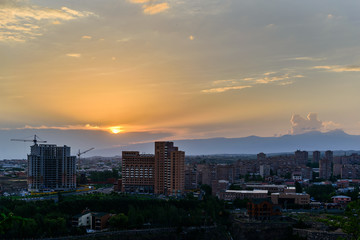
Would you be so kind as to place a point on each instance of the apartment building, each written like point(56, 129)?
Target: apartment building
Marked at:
point(51, 167)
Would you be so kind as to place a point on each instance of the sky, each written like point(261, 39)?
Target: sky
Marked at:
point(147, 70)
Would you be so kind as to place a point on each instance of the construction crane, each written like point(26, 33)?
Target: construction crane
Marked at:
point(81, 153)
point(35, 140)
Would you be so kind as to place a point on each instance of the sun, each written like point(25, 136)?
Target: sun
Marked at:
point(115, 130)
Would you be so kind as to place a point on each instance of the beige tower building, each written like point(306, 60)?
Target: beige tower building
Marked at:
point(169, 169)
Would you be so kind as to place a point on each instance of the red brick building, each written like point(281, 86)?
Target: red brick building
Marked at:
point(263, 209)
point(138, 172)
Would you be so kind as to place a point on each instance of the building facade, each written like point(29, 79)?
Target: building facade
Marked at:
point(316, 157)
point(301, 157)
point(325, 168)
point(51, 168)
point(138, 172)
point(231, 195)
point(169, 169)
point(290, 198)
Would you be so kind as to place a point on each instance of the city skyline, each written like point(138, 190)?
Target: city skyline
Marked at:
point(169, 70)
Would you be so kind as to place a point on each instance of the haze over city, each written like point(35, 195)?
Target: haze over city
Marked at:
point(134, 71)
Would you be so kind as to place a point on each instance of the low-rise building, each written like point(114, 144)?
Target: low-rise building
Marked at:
point(272, 188)
point(91, 220)
point(290, 198)
point(100, 220)
point(230, 195)
point(82, 220)
point(262, 209)
point(341, 199)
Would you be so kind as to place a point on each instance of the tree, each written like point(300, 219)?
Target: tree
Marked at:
point(350, 222)
point(119, 221)
point(321, 192)
point(298, 187)
point(206, 188)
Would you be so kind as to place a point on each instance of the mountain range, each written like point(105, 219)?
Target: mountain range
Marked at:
point(336, 140)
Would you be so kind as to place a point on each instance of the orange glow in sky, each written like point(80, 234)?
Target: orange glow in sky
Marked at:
point(116, 130)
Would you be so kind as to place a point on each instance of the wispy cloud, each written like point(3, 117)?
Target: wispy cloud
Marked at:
point(20, 21)
point(312, 59)
point(86, 37)
point(75, 55)
point(70, 127)
point(271, 77)
point(224, 89)
point(281, 79)
point(157, 8)
point(338, 68)
point(151, 7)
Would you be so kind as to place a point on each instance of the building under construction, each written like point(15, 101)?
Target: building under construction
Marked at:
point(51, 167)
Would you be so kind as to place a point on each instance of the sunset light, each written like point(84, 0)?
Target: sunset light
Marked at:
point(116, 130)
point(176, 70)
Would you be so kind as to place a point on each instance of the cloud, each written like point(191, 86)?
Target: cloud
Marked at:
point(271, 77)
point(75, 55)
point(150, 7)
point(286, 83)
point(224, 89)
point(225, 82)
point(20, 21)
point(270, 26)
point(330, 125)
point(238, 84)
point(86, 37)
point(269, 73)
point(312, 59)
point(141, 1)
point(338, 68)
point(311, 123)
point(154, 9)
point(69, 127)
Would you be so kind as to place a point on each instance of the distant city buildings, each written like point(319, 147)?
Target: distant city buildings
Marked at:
point(329, 155)
point(265, 170)
point(51, 167)
point(316, 157)
point(301, 157)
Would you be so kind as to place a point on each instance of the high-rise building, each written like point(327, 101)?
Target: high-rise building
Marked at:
point(138, 172)
point(169, 169)
point(301, 157)
point(329, 155)
point(51, 168)
point(163, 173)
point(191, 177)
point(316, 157)
point(325, 168)
point(261, 156)
point(265, 170)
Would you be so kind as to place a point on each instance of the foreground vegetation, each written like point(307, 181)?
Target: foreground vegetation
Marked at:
point(20, 219)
